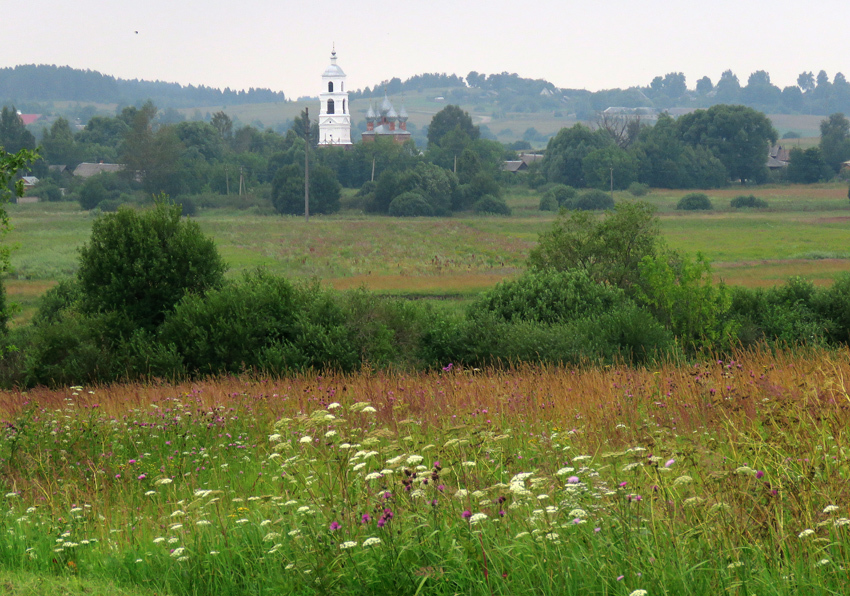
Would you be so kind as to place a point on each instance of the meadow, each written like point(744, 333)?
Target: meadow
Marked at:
point(693, 478)
point(803, 232)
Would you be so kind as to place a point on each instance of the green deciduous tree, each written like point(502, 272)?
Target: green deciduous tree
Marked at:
point(807, 166)
point(738, 136)
point(58, 145)
point(680, 293)
point(140, 264)
point(14, 136)
point(611, 163)
point(835, 141)
point(608, 248)
point(288, 190)
point(449, 119)
point(566, 150)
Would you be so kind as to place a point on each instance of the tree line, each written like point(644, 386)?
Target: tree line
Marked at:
point(704, 149)
point(201, 163)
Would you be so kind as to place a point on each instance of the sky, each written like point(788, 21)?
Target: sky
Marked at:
point(285, 46)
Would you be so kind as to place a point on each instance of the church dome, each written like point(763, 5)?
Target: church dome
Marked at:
point(402, 115)
point(386, 106)
point(333, 70)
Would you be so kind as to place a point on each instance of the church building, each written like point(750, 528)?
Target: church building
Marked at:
point(334, 115)
point(386, 123)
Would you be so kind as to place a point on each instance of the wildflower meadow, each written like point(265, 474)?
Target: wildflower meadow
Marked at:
point(707, 477)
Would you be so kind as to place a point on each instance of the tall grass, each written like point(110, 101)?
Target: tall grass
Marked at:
point(723, 476)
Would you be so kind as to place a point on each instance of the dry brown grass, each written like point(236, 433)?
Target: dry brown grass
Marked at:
point(622, 404)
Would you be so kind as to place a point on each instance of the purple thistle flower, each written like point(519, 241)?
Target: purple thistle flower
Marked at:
point(466, 514)
point(335, 526)
point(381, 522)
point(669, 463)
point(365, 518)
point(572, 480)
point(760, 474)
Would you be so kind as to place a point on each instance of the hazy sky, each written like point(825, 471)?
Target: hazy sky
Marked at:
point(285, 45)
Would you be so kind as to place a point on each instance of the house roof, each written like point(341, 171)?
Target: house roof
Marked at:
point(514, 166)
point(780, 153)
point(86, 170)
point(530, 158)
point(774, 163)
point(29, 180)
point(29, 118)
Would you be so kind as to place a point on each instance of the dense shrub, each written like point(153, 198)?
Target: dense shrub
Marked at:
point(624, 334)
point(833, 306)
point(592, 200)
point(76, 349)
point(793, 313)
point(748, 201)
point(109, 205)
point(262, 322)
point(608, 248)
point(695, 201)
point(410, 204)
point(92, 193)
point(549, 297)
point(638, 189)
point(140, 263)
point(560, 193)
point(491, 205)
point(257, 322)
point(47, 191)
point(548, 203)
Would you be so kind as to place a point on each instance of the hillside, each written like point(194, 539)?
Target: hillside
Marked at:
point(48, 83)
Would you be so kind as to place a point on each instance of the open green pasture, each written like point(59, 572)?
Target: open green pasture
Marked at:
point(805, 231)
point(712, 477)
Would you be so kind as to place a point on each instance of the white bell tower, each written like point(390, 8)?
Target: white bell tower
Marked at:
point(334, 115)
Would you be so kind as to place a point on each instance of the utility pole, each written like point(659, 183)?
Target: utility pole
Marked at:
point(373, 169)
point(307, 165)
point(612, 184)
point(240, 181)
point(226, 179)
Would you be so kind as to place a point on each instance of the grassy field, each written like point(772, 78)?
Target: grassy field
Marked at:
point(804, 232)
point(707, 478)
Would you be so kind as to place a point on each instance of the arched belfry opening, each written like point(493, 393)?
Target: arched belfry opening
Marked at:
point(330, 106)
point(330, 86)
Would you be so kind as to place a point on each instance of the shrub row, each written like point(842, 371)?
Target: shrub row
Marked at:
point(263, 323)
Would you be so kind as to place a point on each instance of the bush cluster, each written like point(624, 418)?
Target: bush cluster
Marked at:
point(695, 201)
point(748, 201)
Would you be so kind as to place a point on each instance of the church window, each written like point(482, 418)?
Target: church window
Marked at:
point(330, 86)
point(330, 106)
point(343, 106)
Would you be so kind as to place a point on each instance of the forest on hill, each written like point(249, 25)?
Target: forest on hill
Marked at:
point(29, 86)
point(47, 83)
